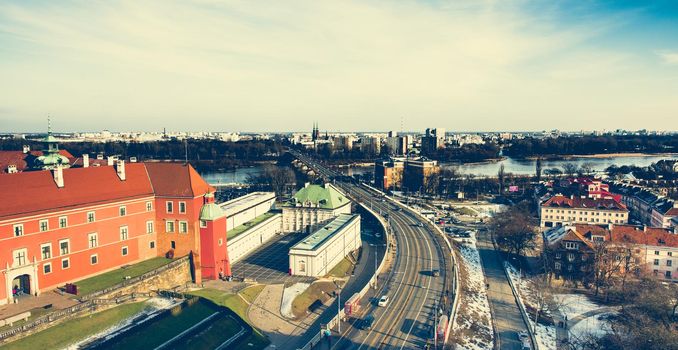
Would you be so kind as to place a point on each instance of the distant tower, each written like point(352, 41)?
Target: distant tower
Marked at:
point(316, 132)
point(51, 158)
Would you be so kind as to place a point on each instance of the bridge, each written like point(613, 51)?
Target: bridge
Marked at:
point(419, 298)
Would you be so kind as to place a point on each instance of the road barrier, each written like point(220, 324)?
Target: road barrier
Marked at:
point(455, 284)
point(523, 310)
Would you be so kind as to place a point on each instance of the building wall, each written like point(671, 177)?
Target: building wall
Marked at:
point(551, 217)
point(659, 260)
point(325, 257)
point(108, 250)
point(213, 249)
point(248, 214)
point(252, 239)
point(309, 219)
point(182, 243)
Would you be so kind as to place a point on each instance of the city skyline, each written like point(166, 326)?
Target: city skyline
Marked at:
point(467, 66)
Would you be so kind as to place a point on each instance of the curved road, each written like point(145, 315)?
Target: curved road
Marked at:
point(407, 322)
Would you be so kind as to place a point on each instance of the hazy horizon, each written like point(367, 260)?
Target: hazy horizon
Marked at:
point(351, 66)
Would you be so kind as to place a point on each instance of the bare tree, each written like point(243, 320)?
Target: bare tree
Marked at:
point(278, 179)
point(501, 176)
point(586, 168)
point(515, 229)
point(569, 169)
point(538, 169)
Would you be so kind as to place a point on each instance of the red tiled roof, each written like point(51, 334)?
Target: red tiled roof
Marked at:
point(21, 159)
point(655, 236)
point(561, 201)
point(34, 192)
point(176, 180)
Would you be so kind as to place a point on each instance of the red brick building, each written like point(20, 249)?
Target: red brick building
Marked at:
point(64, 225)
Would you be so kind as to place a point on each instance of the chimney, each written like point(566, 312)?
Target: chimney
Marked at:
point(644, 228)
point(610, 226)
point(27, 149)
point(120, 169)
point(59, 176)
point(85, 160)
point(110, 160)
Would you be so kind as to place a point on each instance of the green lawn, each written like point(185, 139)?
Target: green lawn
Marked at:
point(248, 225)
point(116, 276)
point(342, 269)
point(71, 331)
point(239, 306)
point(250, 294)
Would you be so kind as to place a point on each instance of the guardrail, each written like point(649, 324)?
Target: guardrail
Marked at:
point(333, 322)
point(455, 284)
point(523, 310)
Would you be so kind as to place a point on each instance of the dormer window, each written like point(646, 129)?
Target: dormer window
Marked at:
point(598, 239)
point(571, 245)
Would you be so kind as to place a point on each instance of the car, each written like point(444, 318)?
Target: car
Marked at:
point(367, 322)
point(383, 301)
point(435, 273)
point(526, 344)
point(420, 224)
point(523, 336)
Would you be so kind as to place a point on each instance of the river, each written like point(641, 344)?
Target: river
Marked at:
point(514, 166)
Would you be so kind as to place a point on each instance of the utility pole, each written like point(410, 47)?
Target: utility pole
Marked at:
point(339, 311)
point(435, 325)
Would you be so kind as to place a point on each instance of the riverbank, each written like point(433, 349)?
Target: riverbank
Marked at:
point(597, 156)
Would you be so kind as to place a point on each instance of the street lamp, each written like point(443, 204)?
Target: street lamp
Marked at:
point(339, 311)
point(376, 251)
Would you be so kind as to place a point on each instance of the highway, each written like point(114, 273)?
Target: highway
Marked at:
point(407, 322)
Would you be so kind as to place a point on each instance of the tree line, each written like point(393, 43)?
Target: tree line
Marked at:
point(586, 145)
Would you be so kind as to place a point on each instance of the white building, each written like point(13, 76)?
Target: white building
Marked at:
point(318, 253)
point(313, 206)
point(251, 235)
point(243, 209)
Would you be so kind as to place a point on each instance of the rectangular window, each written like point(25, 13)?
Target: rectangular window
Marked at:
point(123, 210)
point(170, 207)
point(570, 245)
point(93, 240)
point(149, 206)
point(64, 247)
point(63, 222)
point(656, 252)
point(151, 244)
point(669, 253)
point(149, 226)
point(669, 262)
point(557, 266)
point(65, 263)
point(124, 251)
point(221, 241)
point(182, 207)
point(183, 226)
point(44, 225)
point(656, 262)
point(94, 259)
point(18, 230)
point(173, 244)
point(20, 257)
point(46, 251)
point(203, 224)
point(169, 226)
point(667, 274)
point(47, 268)
point(124, 233)
point(90, 216)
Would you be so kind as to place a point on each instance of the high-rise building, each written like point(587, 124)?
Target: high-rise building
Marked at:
point(432, 140)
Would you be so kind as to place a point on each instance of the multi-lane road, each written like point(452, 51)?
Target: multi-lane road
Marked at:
point(408, 320)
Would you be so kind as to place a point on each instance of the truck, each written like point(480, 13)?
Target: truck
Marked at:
point(352, 305)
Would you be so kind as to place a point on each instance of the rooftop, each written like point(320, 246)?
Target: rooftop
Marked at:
point(560, 201)
point(236, 231)
point(325, 197)
point(239, 204)
point(320, 236)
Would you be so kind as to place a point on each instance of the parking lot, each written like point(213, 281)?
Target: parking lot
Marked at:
point(270, 263)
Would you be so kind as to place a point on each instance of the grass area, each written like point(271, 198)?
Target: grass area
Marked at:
point(342, 269)
point(248, 225)
point(318, 291)
point(71, 331)
point(239, 306)
point(114, 277)
point(464, 211)
point(251, 293)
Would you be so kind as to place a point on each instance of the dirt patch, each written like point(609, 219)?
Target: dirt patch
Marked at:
point(316, 294)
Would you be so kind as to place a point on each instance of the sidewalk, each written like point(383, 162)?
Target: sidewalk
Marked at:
point(28, 303)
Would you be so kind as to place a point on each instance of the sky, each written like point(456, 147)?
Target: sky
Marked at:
point(261, 66)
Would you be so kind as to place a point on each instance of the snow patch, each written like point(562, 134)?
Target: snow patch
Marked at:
point(477, 318)
point(289, 294)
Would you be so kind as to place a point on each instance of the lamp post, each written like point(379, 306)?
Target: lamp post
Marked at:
point(376, 251)
point(339, 311)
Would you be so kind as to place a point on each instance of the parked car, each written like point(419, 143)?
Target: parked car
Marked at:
point(523, 336)
point(383, 301)
point(367, 322)
point(526, 344)
point(435, 273)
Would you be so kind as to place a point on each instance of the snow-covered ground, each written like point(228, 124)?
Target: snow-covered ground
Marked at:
point(152, 309)
point(576, 305)
point(289, 294)
point(546, 335)
point(592, 325)
point(474, 320)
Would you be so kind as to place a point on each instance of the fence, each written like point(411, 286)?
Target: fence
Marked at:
point(135, 280)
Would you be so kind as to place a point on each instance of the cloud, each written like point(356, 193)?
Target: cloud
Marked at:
point(669, 57)
point(279, 65)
